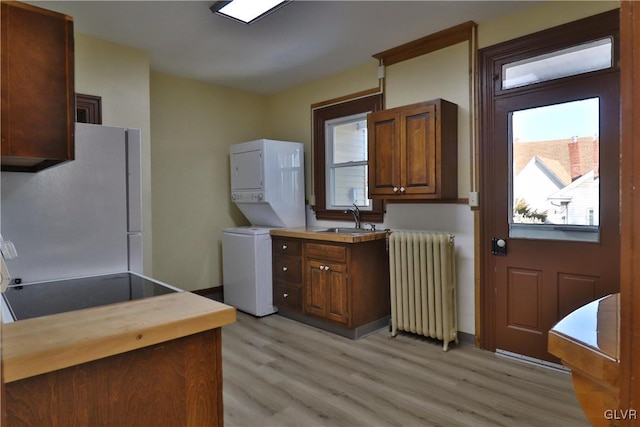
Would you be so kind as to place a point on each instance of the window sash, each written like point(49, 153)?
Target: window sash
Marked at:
point(331, 167)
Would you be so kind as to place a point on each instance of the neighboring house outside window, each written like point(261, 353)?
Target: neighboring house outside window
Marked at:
point(558, 178)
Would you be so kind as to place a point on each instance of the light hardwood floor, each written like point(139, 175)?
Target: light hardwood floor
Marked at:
point(278, 372)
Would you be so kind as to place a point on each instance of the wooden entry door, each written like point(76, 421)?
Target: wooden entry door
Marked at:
point(548, 247)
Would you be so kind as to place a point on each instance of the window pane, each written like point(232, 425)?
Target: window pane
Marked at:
point(555, 171)
point(592, 56)
point(347, 162)
point(349, 186)
point(350, 140)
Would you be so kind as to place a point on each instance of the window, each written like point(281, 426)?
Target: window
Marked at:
point(346, 162)
point(88, 109)
point(555, 171)
point(340, 160)
point(586, 57)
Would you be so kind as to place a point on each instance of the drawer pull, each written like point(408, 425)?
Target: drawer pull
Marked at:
point(284, 268)
point(284, 247)
point(285, 295)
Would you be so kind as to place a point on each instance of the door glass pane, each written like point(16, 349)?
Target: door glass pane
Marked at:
point(584, 58)
point(555, 180)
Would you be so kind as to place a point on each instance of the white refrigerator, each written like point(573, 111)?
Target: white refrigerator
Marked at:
point(79, 218)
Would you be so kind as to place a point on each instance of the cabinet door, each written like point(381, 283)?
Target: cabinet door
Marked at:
point(38, 96)
point(336, 277)
point(383, 129)
point(317, 292)
point(326, 291)
point(418, 151)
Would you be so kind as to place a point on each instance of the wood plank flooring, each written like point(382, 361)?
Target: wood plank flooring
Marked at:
point(278, 372)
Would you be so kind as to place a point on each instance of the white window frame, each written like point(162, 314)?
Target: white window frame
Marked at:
point(331, 165)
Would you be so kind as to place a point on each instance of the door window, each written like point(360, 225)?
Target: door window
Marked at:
point(554, 177)
point(583, 58)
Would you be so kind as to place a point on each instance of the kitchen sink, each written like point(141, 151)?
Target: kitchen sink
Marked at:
point(344, 230)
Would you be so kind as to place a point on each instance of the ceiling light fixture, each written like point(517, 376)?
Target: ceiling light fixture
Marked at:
point(246, 11)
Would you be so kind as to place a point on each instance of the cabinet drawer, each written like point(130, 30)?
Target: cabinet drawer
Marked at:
point(289, 270)
point(326, 252)
point(285, 296)
point(290, 247)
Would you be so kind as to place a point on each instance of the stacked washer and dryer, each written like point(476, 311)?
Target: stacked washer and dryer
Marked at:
point(267, 185)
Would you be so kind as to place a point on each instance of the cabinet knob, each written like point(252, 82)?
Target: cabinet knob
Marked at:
point(284, 268)
point(322, 267)
point(285, 295)
point(326, 267)
point(402, 189)
point(284, 247)
point(395, 189)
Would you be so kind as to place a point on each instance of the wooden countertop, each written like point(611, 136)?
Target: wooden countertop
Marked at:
point(588, 339)
point(588, 342)
point(313, 233)
point(35, 346)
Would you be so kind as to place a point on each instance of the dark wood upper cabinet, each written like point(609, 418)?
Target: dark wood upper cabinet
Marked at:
point(38, 96)
point(413, 152)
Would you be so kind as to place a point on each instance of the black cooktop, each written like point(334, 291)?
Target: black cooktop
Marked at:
point(59, 296)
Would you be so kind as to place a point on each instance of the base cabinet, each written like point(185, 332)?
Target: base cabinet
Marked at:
point(287, 273)
point(175, 383)
point(343, 284)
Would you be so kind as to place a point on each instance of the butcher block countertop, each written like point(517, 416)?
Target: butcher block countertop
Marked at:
point(314, 233)
point(44, 344)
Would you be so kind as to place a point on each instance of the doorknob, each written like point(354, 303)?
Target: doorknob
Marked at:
point(498, 246)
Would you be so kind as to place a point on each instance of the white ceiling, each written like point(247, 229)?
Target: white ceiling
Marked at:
point(302, 41)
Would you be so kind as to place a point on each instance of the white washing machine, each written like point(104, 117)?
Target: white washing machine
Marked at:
point(246, 266)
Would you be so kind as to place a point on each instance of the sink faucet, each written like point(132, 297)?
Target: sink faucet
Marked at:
point(356, 214)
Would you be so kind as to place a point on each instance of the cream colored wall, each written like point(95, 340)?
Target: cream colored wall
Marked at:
point(441, 74)
point(120, 75)
point(538, 18)
point(193, 125)
point(289, 113)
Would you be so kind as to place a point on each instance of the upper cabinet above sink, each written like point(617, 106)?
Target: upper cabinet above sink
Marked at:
point(38, 95)
point(413, 152)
